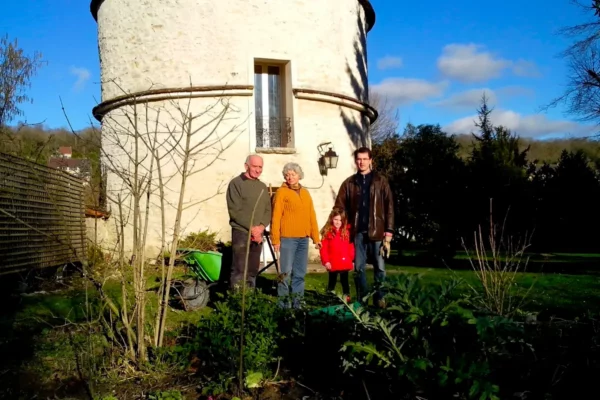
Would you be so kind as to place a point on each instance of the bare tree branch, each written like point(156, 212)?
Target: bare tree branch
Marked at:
point(388, 120)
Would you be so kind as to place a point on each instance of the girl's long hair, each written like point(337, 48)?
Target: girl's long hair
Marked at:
point(329, 230)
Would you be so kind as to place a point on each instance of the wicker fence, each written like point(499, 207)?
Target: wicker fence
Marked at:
point(41, 216)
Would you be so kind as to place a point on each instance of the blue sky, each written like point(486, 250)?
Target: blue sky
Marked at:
point(433, 59)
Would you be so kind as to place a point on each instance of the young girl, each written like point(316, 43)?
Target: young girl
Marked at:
point(337, 250)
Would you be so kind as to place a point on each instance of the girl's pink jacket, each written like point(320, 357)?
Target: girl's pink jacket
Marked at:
point(337, 251)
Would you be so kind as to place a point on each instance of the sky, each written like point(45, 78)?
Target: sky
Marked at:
point(433, 60)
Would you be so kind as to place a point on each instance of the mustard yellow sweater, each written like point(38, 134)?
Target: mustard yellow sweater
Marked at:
point(293, 215)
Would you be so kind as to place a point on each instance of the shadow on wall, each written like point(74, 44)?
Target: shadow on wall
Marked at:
point(358, 129)
point(334, 193)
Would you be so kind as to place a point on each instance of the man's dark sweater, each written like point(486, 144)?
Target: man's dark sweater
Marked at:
point(364, 182)
point(242, 194)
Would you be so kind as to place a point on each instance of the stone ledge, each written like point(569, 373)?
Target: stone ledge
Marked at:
point(337, 99)
point(276, 150)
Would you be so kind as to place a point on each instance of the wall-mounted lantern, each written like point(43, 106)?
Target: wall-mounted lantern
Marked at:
point(328, 159)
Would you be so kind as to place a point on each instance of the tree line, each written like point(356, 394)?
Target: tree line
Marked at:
point(38, 144)
point(446, 190)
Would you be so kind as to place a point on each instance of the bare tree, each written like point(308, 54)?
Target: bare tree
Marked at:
point(388, 119)
point(16, 70)
point(582, 94)
point(496, 261)
point(150, 153)
point(200, 140)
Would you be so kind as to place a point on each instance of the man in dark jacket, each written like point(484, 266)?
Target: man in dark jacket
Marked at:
point(367, 199)
point(243, 193)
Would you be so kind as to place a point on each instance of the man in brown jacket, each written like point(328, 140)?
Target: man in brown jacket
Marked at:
point(367, 199)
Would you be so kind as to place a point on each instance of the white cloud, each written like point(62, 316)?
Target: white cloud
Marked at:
point(400, 91)
point(471, 63)
point(389, 62)
point(525, 69)
point(533, 125)
point(470, 99)
point(83, 75)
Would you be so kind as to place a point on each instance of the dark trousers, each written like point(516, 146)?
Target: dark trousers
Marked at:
point(365, 247)
point(239, 239)
point(343, 278)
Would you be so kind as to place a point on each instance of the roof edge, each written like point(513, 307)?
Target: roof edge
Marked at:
point(94, 7)
point(369, 13)
point(366, 4)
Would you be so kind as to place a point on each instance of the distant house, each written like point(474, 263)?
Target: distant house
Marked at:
point(80, 167)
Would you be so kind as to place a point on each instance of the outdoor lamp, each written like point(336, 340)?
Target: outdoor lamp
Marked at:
point(328, 160)
point(331, 159)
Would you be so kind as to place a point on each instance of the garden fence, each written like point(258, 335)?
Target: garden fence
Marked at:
point(42, 216)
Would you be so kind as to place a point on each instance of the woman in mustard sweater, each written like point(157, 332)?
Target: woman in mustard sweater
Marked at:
point(293, 222)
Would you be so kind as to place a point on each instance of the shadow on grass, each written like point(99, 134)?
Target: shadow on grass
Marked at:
point(574, 264)
point(25, 318)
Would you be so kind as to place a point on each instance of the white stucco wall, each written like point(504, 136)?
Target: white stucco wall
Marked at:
point(173, 44)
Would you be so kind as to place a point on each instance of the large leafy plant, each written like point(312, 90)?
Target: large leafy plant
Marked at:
point(217, 344)
point(429, 341)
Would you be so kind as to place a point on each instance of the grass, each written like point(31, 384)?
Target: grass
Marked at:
point(44, 344)
point(552, 295)
point(37, 352)
point(572, 263)
point(70, 305)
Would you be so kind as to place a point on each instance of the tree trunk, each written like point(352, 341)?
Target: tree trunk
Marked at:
point(176, 228)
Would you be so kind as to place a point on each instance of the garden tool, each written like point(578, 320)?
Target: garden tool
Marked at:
point(385, 248)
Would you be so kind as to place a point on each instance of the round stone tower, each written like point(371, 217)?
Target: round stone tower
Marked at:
point(292, 75)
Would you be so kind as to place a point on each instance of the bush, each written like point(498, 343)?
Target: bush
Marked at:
point(217, 344)
point(203, 241)
point(430, 343)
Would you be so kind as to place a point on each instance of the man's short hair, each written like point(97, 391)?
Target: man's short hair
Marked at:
point(250, 156)
point(362, 150)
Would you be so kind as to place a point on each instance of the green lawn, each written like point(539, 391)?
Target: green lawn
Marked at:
point(551, 294)
point(25, 321)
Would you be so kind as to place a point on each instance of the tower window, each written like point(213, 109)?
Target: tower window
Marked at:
point(272, 108)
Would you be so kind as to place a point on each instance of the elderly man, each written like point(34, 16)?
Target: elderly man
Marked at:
point(367, 199)
point(242, 194)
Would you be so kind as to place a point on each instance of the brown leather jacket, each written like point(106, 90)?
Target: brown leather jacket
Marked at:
point(381, 205)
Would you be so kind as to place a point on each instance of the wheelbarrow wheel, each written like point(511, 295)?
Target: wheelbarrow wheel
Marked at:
point(195, 294)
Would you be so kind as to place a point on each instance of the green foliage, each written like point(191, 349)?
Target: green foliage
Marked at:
point(95, 256)
point(166, 395)
point(496, 148)
point(566, 198)
point(16, 71)
point(423, 166)
point(37, 144)
point(444, 186)
point(430, 340)
point(203, 241)
point(217, 343)
point(540, 151)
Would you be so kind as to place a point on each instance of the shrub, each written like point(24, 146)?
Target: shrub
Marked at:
point(203, 241)
point(496, 260)
point(217, 344)
point(429, 342)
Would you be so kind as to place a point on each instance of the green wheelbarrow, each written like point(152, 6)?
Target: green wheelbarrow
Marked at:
point(204, 271)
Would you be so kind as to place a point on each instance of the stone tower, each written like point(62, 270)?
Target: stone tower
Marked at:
point(293, 74)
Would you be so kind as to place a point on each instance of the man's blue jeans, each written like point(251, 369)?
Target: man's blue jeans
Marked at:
point(363, 247)
point(293, 262)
